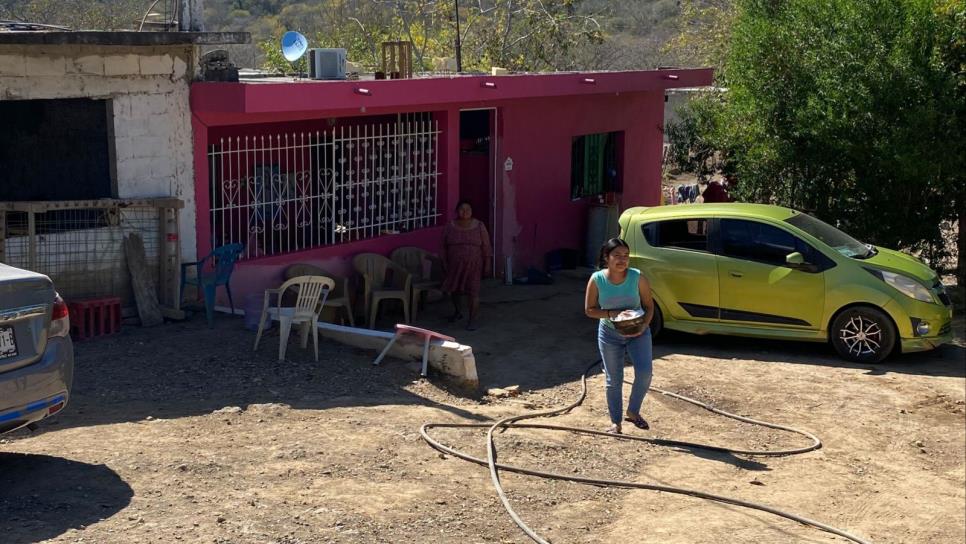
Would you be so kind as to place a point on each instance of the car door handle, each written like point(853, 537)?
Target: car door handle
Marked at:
point(735, 274)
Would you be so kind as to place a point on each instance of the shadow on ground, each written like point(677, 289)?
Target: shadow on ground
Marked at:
point(536, 337)
point(186, 369)
point(37, 506)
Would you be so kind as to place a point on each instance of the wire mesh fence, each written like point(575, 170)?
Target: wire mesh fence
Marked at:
point(79, 244)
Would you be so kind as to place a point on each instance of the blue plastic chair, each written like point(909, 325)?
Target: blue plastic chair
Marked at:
point(223, 261)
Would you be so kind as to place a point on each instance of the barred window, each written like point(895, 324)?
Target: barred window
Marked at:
point(289, 192)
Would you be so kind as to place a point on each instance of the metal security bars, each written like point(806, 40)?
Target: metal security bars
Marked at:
point(287, 192)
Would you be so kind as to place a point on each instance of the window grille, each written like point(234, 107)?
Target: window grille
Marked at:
point(287, 192)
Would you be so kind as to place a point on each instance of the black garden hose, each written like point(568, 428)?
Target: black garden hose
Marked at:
point(511, 422)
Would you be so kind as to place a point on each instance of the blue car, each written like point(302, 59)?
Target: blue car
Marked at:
point(36, 353)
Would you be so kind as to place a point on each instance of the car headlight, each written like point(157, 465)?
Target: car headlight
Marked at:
point(904, 284)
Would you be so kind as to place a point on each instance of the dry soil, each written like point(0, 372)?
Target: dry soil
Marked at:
point(184, 434)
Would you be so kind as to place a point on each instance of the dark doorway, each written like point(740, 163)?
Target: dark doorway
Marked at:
point(476, 162)
point(56, 150)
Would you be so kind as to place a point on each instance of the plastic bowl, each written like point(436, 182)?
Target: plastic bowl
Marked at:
point(629, 323)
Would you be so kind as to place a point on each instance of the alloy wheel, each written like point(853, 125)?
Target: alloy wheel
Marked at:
point(862, 336)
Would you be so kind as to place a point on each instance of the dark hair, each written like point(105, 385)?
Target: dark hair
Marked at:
point(461, 202)
point(605, 250)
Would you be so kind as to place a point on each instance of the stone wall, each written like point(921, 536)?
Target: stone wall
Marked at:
point(149, 89)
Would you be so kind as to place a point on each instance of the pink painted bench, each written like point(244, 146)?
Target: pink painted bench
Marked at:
point(426, 335)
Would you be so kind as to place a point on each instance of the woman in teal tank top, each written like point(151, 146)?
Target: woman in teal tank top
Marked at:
point(615, 288)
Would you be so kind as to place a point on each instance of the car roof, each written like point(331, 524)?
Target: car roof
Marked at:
point(724, 209)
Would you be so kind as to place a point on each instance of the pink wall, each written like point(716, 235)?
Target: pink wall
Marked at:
point(534, 211)
point(537, 214)
point(255, 275)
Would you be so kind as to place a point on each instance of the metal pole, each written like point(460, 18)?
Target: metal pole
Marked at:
point(459, 51)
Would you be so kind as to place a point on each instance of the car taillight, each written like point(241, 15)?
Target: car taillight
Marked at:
point(59, 318)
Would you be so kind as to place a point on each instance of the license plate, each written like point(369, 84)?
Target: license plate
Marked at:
point(8, 344)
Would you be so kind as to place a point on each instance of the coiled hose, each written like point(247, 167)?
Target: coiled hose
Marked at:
point(511, 422)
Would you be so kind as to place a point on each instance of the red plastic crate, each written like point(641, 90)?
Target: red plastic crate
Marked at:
point(93, 317)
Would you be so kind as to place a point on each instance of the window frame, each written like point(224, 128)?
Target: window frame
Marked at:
point(107, 187)
point(815, 260)
point(614, 140)
point(654, 226)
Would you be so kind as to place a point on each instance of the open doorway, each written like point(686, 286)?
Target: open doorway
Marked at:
point(476, 162)
point(478, 141)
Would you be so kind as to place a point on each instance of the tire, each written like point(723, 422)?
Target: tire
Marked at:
point(863, 334)
point(657, 322)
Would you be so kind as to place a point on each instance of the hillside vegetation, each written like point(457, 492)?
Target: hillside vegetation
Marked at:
point(516, 34)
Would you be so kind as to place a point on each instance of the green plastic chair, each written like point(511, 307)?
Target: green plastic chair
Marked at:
point(213, 270)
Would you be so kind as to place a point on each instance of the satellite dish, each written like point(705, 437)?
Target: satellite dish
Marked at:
point(294, 45)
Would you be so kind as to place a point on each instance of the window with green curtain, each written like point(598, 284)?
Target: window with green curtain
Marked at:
point(594, 165)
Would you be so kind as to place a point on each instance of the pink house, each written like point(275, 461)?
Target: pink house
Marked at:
point(318, 171)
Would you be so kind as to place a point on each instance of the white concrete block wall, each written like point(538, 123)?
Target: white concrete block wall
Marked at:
point(149, 89)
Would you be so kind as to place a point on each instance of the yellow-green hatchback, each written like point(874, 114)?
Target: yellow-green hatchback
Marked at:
point(770, 272)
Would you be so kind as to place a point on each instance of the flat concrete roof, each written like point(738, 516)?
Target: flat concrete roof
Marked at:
point(128, 38)
point(217, 103)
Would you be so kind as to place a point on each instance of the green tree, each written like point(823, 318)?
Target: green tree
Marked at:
point(524, 35)
point(704, 33)
point(77, 14)
point(527, 35)
point(851, 110)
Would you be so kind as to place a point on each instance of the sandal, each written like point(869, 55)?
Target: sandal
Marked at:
point(638, 422)
point(455, 317)
point(472, 326)
point(614, 429)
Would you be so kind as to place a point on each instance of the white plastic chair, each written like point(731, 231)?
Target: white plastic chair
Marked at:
point(312, 293)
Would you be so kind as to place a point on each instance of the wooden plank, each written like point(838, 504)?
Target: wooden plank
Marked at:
point(145, 293)
point(40, 206)
point(31, 241)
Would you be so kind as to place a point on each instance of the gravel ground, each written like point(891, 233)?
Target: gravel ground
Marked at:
point(183, 434)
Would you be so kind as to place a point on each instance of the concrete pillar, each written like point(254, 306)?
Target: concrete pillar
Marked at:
point(191, 17)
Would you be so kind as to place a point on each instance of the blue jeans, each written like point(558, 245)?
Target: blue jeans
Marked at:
point(613, 346)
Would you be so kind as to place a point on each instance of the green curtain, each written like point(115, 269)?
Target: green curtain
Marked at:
point(589, 165)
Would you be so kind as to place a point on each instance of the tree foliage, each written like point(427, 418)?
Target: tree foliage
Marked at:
point(851, 110)
point(515, 34)
point(76, 14)
point(704, 33)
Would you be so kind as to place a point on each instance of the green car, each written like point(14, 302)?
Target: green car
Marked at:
point(770, 272)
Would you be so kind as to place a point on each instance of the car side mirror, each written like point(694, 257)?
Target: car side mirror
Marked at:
point(795, 260)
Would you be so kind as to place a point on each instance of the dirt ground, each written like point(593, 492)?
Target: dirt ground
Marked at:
point(183, 434)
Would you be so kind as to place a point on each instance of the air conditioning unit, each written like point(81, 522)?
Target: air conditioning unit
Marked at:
point(327, 63)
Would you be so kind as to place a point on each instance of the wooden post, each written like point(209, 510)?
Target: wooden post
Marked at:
point(385, 69)
point(169, 263)
point(31, 241)
point(3, 236)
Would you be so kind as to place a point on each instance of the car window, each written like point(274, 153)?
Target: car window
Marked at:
point(755, 241)
point(836, 239)
point(678, 233)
